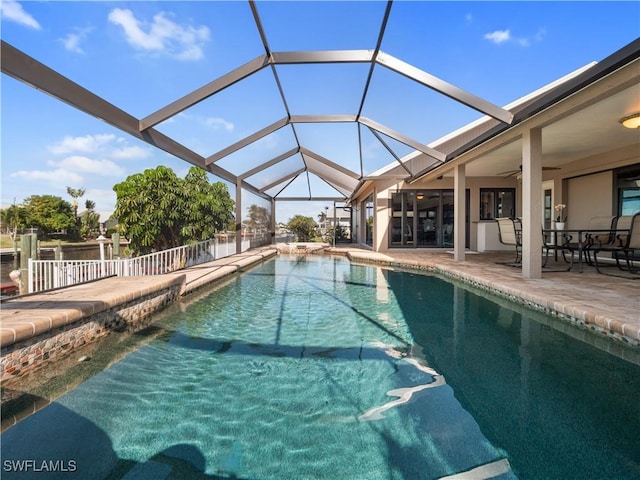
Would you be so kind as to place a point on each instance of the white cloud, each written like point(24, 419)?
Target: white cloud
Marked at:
point(129, 153)
point(540, 34)
point(104, 199)
point(498, 36)
point(85, 144)
point(217, 123)
point(12, 10)
point(89, 165)
point(501, 36)
point(468, 18)
point(72, 41)
point(105, 145)
point(183, 42)
point(55, 178)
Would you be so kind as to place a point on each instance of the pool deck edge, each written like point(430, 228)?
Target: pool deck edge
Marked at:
point(538, 294)
point(37, 328)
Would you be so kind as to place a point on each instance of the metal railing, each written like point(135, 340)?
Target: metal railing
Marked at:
point(49, 274)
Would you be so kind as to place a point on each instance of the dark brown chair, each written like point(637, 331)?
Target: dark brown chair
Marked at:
point(558, 241)
point(601, 232)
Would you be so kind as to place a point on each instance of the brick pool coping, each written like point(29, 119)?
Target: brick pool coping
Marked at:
point(36, 329)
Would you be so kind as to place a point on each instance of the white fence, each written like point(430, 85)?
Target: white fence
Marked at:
point(48, 274)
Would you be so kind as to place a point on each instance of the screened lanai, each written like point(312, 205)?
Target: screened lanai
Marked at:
point(311, 143)
point(310, 101)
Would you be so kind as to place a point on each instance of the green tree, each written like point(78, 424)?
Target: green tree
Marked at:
point(157, 210)
point(89, 221)
point(210, 206)
point(13, 218)
point(259, 218)
point(148, 208)
point(337, 233)
point(303, 227)
point(322, 216)
point(49, 213)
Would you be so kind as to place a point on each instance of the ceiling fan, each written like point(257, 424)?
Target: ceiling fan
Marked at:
point(511, 173)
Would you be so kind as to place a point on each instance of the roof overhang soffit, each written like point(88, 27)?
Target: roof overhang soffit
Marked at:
point(620, 71)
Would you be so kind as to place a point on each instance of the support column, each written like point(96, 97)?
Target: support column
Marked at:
point(532, 203)
point(272, 227)
point(238, 216)
point(25, 255)
point(459, 213)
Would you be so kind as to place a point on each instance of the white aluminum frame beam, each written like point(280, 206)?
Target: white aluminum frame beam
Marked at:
point(331, 182)
point(306, 199)
point(322, 56)
point(329, 163)
point(205, 92)
point(444, 88)
point(254, 137)
point(282, 179)
point(390, 150)
point(269, 163)
point(26, 69)
point(441, 157)
point(323, 118)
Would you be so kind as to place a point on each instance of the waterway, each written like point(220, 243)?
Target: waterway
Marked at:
point(90, 251)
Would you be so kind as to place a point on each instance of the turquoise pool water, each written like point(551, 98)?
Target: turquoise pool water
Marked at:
point(313, 368)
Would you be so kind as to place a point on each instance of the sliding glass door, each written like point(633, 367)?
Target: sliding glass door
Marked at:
point(402, 219)
point(422, 218)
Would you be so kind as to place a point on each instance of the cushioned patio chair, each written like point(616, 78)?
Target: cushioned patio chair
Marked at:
point(625, 245)
point(509, 234)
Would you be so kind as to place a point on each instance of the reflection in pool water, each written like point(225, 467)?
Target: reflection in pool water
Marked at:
point(309, 367)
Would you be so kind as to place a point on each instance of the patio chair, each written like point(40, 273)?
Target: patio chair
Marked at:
point(626, 243)
point(509, 234)
point(622, 223)
point(598, 236)
point(558, 242)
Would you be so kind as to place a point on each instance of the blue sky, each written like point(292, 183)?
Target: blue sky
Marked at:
point(141, 55)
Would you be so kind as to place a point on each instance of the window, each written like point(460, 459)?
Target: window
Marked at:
point(369, 220)
point(628, 181)
point(497, 202)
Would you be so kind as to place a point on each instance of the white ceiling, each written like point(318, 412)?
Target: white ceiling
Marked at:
point(592, 130)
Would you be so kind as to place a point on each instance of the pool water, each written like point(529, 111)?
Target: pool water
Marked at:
point(308, 367)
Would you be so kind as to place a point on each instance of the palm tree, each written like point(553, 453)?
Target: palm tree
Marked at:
point(75, 194)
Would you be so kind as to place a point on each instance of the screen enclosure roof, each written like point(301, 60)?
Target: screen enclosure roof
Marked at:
point(322, 121)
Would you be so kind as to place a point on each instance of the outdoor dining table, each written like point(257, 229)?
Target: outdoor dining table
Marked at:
point(568, 233)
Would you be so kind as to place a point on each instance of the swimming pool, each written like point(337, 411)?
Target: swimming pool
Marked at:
point(309, 367)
